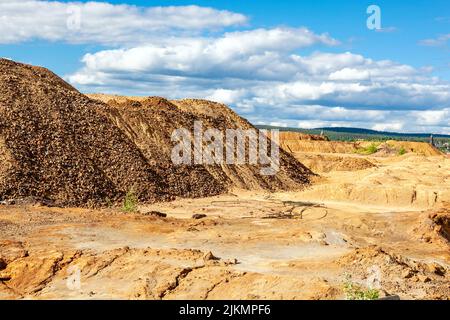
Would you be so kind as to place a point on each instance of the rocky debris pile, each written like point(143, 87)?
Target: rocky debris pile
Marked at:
point(55, 145)
point(441, 220)
point(149, 123)
point(434, 226)
point(59, 146)
point(397, 274)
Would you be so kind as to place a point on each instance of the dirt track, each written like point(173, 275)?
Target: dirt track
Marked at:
point(268, 245)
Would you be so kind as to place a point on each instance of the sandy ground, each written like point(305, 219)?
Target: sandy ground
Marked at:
point(372, 224)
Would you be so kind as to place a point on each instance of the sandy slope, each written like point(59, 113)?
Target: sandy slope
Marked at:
point(409, 181)
point(303, 143)
point(268, 245)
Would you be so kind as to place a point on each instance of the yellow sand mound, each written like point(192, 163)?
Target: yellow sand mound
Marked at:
point(421, 148)
point(321, 163)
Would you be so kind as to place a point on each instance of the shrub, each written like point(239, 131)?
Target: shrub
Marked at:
point(402, 151)
point(130, 203)
point(356, 292)
point(371, 149)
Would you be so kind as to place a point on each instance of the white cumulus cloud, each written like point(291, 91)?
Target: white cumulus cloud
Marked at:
point(270, 83)
point(436, 42)
point(104, 23)
point(278, 75)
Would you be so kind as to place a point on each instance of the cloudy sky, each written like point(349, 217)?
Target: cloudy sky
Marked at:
point(289, 63)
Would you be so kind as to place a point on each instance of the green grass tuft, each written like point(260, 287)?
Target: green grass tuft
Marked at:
point(371, 149)
point(356, 292)
point(130, 203)
point(402, 151)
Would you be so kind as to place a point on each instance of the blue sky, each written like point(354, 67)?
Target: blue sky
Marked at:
point(293, 63)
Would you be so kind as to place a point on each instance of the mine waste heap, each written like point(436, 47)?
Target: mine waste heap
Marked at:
point(63, 147)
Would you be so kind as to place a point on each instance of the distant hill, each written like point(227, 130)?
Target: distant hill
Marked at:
point(381, 133)
point(442, 141)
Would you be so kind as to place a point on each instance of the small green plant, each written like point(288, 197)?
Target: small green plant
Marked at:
point(402, 151)
point(354, 291)
point(130, 203)
point(371, 149)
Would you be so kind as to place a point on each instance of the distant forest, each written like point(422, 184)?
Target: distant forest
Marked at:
point(441, 141)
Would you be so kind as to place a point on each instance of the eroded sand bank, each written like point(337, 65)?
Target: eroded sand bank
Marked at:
point(250, 245)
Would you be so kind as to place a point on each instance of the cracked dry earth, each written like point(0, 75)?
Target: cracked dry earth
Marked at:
point(243, 249)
